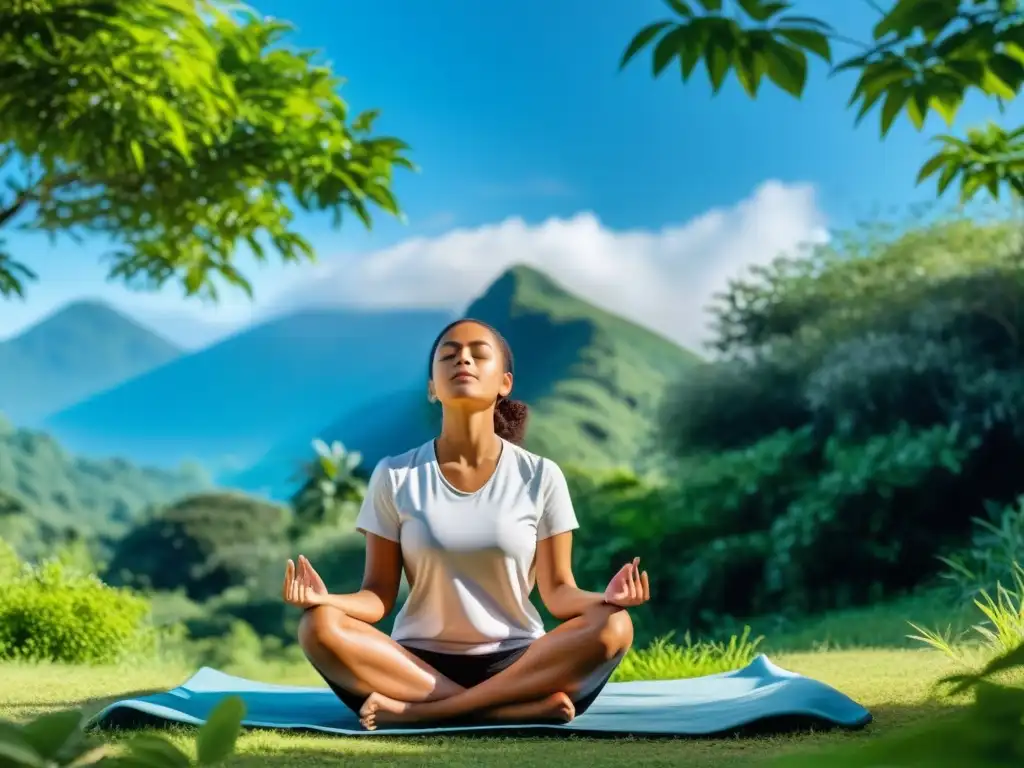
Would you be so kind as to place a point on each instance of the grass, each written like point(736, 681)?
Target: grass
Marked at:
point(667, 660)
point(893, 684)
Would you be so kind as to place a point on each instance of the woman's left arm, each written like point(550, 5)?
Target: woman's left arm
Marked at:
point(555, 580)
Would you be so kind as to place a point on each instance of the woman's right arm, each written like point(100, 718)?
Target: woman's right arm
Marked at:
point(382, 578)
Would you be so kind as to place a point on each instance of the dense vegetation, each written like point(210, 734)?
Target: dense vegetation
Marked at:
point(866, 407)
point(48, 496)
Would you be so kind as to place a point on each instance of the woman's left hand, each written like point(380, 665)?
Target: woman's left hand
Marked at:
point(629, 587)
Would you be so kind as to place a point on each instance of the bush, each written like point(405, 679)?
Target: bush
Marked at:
point(995, 551)
point(50, 612)
point(870, 402)
point(204, 545)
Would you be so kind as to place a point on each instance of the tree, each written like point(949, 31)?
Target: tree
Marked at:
point(179, 132)
point(205, 543)
point(332, 489)
point(924, 56)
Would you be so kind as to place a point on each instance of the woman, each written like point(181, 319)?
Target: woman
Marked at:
point(475, 520)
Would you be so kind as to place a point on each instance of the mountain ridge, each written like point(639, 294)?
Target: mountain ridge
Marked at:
point(225, 405)
point(75, 352)
point(569, 369)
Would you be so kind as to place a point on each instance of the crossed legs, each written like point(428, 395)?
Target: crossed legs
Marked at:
point(542, 684)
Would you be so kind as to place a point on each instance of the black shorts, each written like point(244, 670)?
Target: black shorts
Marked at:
point(462, 669)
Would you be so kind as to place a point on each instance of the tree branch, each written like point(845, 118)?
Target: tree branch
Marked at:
point(41, 190)
point(874, 5)
point(8, 213)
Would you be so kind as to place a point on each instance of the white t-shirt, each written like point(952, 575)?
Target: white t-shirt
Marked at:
point(469, 557)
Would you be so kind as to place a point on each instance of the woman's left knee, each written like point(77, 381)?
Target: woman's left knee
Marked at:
point(613, 630)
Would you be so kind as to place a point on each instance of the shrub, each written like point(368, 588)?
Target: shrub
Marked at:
point(204, 544)
point(996, 548)
point(870, 401)
point(49, 612)
point(1002, 629)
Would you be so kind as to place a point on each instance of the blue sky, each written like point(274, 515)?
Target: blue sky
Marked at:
point(518, 116)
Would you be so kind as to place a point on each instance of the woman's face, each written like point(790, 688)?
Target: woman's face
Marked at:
point(468, 367)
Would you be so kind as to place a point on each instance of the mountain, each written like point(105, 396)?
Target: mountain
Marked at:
point(226, 405)
point(78, 351)
point(593, 381)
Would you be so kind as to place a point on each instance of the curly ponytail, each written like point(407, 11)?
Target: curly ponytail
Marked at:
point(510, 417)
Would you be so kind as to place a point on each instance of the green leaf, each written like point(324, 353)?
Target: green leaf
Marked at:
point(804, 21)
point(218, 735)
point(895, 100)
point(693, 47)
point(641, 39)
point(16, 749)
point(155, 752)
point(759, 10)
point(869, 101)
point(137, 155)
point(994, 85)
point(364, 121)
point(671, 45)
point(680, 7)
point(936, 162)
point(970, 72)
point(749, 65)
point(718, 55)
point(917, 108)
point(949, 173)
point(908, 15)
point(52, 732)
point(786, 67)
point(947, 105)
point(809, 40)
point(1008, 70)
point(711, 5)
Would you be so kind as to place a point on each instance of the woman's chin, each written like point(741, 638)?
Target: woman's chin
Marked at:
point(468, 397)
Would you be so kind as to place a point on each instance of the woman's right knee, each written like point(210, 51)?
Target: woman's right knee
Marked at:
point(320, 627)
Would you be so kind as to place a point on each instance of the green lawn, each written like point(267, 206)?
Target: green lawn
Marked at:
point(893, 683)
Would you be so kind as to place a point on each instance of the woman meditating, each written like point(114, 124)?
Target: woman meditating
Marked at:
point(475, 520)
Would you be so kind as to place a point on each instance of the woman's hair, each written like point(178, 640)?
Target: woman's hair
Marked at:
point(510, 416)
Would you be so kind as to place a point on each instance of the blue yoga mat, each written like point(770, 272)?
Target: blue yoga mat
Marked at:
point(758, 693)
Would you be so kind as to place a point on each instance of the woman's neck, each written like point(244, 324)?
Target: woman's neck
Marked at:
point(468, 437)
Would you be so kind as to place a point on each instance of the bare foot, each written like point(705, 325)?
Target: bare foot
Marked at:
point(379, 709)
point(556, 708)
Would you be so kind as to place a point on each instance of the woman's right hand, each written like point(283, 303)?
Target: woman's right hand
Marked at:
point(303, 586)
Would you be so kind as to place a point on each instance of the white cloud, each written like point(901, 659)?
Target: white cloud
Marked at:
point(663, 279)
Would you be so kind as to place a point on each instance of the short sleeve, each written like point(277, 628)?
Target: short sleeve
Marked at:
point(378, 514)
point(557, 514)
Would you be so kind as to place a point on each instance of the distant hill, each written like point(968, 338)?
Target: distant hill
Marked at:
point(44, 491)
point(593, 381)
point(228, 404)
point(78, 351)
